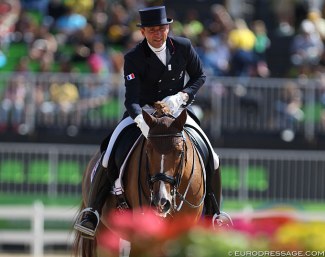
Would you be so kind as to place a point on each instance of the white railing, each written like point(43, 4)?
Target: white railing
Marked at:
point(247, 174)
point(37, 237)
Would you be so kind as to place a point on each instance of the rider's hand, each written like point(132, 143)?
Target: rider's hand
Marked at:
point(175, 101)
point(142, 125)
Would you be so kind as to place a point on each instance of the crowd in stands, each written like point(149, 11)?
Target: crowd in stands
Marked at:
point(91, 36)
point(60, 34)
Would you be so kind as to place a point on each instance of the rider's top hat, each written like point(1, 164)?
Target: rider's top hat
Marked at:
point(153, 16)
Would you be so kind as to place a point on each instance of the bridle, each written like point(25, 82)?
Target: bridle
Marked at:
point(175, 180)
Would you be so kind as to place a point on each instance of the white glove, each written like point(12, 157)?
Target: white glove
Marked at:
point(175, 101)
point(142, 125)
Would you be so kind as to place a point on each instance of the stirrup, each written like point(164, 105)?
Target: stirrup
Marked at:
point(222, 219)
point(86, 232)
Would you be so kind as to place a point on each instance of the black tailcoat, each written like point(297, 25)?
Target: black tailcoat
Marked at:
point(148, 80)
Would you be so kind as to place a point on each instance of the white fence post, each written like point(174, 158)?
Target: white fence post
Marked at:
point(38, 230)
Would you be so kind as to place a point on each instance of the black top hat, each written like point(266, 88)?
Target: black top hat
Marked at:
point(153, 16)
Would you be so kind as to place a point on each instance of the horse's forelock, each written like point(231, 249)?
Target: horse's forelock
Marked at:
point(164, 126)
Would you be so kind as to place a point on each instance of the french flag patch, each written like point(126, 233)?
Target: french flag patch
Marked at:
point(130, 76)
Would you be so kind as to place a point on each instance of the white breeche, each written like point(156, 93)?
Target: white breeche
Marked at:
point(128, 120)
point(124, 123)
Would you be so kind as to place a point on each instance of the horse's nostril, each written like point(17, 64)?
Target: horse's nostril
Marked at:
point(165, 205)
point(163, 201)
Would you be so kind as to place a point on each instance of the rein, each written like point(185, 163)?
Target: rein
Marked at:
point(183, 197)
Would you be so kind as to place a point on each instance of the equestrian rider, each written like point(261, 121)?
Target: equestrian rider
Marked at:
point(154, 70)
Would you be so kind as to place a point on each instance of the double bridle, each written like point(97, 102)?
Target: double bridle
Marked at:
point(174, 181)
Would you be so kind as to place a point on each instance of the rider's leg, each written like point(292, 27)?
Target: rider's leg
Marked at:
point(214, 189)
point(101, 183)
point(213, 175)
point(98, 191)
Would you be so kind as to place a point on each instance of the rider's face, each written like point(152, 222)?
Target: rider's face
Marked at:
point(156, 36)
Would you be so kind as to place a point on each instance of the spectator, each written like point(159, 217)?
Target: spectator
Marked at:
point(220, 20)
point(289, 107)
point(9, 15)
point(56, 9)
point(23, 64)
point(60, 105)
point(192, 26)
point(97, 59)
point(65, 95)
point(26, 28)
point(12, 107)
point(70, 22)
point(118, 26)
point(44, 48)
point(215, 51)
point(241, 41)
point(262, 43)
point(306, 49)
point(316, 18)
point(99, 17)
point(215, 55)
point(83, 7)
point(36, 5)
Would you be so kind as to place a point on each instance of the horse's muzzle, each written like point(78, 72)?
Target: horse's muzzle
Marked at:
point(163, 206)
point(161, 200)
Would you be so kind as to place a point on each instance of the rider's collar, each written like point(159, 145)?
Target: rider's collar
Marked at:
point(158, 50)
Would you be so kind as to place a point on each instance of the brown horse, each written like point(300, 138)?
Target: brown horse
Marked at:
point(163, 171)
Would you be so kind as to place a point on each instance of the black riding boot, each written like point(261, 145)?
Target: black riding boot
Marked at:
point(100, 187)
point(213, 198)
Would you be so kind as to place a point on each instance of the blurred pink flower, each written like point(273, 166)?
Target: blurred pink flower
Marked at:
point(260, 226)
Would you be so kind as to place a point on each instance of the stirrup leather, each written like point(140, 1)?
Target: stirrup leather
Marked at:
point(86, 232)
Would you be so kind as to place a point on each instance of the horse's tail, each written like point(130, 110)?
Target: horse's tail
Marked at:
point(83, 247)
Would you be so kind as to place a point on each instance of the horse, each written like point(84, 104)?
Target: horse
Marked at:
point(164, 172)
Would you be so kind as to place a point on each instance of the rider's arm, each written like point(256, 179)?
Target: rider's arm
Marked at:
point(195, 72)
point(132, 88)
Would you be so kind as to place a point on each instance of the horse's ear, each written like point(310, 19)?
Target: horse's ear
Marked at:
point(149, 119)
point(180, 120)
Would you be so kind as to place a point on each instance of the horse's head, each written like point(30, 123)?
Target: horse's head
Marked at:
point(165, 151)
